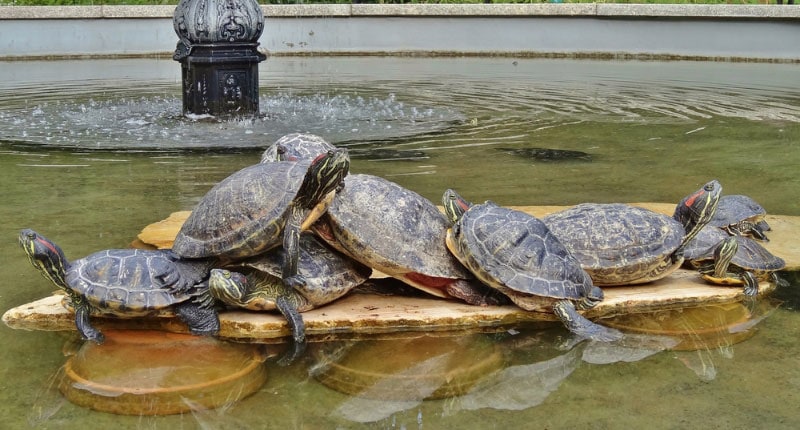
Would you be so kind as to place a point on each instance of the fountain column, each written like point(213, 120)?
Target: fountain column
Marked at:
point(218, 52)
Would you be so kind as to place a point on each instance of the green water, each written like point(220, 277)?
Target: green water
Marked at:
point(651, 132)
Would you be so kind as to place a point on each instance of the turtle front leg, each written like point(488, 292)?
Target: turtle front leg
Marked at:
point(581, 326)
point(291, 248)
point(87, 331)
point(295, 320)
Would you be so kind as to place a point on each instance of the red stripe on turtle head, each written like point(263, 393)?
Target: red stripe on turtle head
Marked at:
point(690, 201)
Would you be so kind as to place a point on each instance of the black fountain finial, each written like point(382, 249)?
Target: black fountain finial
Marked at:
point(218, 52)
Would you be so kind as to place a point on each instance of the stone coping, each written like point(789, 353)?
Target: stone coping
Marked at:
point(588, 10)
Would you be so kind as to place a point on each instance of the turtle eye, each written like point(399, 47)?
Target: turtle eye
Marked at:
point(226, 274)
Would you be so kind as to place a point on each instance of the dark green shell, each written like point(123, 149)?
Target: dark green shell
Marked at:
point(516, 253)
point(327, 273)
point(392, 229)
point(244, 214)
point(129, 282)
point(296, 146)
point(750, 255)
point(617, 244)
point(735, 208)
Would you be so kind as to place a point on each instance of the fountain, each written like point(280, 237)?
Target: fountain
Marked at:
point(219, 56)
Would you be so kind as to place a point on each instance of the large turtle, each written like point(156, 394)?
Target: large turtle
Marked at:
point(740, 214)
point(731, 260)
point(619, 244)
point(255, 283)
point(401, 234)
point(517, 254)
point(126, 283)
point(296, 146)
point(262, 207)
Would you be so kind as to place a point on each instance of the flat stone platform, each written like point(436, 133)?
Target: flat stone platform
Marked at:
point(366, 314)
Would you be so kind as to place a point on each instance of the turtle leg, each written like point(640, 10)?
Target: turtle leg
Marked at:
point(202, 320)
point(291, 248)
point(475, 293)
point(295, 320)
point(581, 326)
point(83, 324)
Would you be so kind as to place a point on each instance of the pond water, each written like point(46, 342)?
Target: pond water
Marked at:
point(92, 151)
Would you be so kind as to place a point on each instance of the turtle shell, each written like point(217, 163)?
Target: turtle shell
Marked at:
point(328, 274)
point(516, 253)
point(618, 244)
point(735, 208)
point(391, 229)
point(296, 146)
point(244, 214)
point(751, 255)
point(128, 282)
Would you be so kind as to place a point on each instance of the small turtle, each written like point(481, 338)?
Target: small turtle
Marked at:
point(401, 234)
point(731, 260)
point(740, 214)
point(126, 283)
point(328, 275)
point(296, 146)
point(262, 207)
point(517, 254)
point(619, 244)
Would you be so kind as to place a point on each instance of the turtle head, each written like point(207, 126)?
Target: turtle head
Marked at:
point(45, 256)
point(723, 254)
point(454, 205)
point(275, 152)
point(696, 210)
point(325, 174)
point(227, 287)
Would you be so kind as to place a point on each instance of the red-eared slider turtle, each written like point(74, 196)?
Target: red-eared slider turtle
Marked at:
point(256, 283)
point(296, 146)
point(517, 254)
point(399, 233)
point(740, 214)
point(262, 207)
point(126, 283)
point(731, 260)
point(619, 244)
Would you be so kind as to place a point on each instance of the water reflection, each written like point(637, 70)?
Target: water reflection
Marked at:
point(137, 372)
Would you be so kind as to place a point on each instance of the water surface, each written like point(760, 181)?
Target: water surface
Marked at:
point(92, 151)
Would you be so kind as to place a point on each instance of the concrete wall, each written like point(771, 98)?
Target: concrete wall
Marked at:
point(740, 32)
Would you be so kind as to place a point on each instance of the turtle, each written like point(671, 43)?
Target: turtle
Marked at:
point(296, 146)
point(401, 234)
point(740, 214)
point(255, 283)
point(515, 253)
point(731, 259)
point(126, 283)
point(620, 244)
point(260, 208)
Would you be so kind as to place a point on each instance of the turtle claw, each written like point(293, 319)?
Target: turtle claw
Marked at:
point(294, 352)
point(581, 326)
